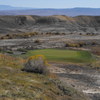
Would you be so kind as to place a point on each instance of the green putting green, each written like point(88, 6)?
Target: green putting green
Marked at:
point(60, 55)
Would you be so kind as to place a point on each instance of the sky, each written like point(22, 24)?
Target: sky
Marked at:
point(52, 3)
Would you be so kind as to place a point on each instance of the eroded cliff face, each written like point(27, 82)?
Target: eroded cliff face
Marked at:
point(17, 24)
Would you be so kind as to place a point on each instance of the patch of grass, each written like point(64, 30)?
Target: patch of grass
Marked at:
point(63, 55)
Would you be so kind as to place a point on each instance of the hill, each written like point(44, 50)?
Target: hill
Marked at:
point(18, 85)
point(53, 24)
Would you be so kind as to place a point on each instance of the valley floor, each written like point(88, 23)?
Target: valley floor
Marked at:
point(48, 41)
point(82, 78)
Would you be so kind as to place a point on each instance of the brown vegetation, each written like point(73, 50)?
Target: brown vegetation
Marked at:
point(76, 44)
point(14, 36)
point(18, 85)
point(96, 50)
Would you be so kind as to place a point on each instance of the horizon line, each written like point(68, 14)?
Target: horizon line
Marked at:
point(49, 7)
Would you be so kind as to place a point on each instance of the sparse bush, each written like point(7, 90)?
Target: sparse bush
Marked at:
point(37, 41)
point(96, 50)
point(94, 43)
point(80, 33)
point(78, 44)
point(81, 44)
point(72, 45)
point(21, 35)
point(36, 64)
point(10, 52)
point(22, 50)
point(90, 34)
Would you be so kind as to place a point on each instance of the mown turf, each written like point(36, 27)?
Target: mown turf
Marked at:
point(63, 55)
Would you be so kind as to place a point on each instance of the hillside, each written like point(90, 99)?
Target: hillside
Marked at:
point(18, 85)
point(57, 23)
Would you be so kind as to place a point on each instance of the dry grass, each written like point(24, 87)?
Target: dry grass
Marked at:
point(96, 64)
point(96, 50)
point(6, 60)
point(22, 35)
point(18, 85)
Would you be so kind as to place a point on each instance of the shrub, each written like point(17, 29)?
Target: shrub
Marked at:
point(96, 50)
point(72, 45)
point(81, 44)
point(22, 50)
point(36, 64)
point(94, 43)
point(16, 35)
point(78, 44)
point(38, 41)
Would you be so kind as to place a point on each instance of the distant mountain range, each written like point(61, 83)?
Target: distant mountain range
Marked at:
point(9, 10)
point(7, 7)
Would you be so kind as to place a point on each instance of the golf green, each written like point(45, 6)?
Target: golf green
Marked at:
point(60, 55)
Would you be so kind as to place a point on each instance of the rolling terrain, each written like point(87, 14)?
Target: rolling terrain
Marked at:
point(53, 24)
point(71, 46)
point(19, 85)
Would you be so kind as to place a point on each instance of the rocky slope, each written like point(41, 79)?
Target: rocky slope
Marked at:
point(53, 24)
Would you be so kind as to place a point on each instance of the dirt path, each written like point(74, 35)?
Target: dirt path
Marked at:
point(81, 78)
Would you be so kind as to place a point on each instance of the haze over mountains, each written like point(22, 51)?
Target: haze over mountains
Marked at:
point(7, 7)
point(9, 10)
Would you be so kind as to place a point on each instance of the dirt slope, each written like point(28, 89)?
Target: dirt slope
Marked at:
point(11, 24)
point(84, 79)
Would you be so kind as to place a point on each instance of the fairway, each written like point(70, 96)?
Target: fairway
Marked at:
point(60, 55)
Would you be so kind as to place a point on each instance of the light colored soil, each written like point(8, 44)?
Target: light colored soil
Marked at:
point(54, 41)
point(82, 78)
